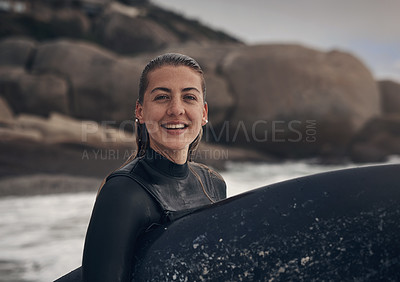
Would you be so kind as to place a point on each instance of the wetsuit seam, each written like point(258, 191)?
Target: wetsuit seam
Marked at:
point(135, 165)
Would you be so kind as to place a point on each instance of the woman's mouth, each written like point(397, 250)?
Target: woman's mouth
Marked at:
point(174, 126)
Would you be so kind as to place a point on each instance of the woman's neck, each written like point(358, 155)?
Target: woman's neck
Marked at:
point(176, 156)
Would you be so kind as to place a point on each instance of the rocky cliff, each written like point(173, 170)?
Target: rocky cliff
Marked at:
point(124, 29)
point(282, 101)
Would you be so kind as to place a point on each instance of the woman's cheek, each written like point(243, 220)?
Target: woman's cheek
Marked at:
point(152, 126)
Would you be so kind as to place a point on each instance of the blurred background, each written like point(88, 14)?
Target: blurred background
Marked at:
point(293, 89)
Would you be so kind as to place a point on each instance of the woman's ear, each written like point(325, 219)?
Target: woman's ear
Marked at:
point(139, 112)
point(205, 114)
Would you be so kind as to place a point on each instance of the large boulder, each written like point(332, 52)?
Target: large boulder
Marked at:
point(9, 86)
point(11, 136)
point(42, 94)
point(36, 94)
point(219, 99)
point(377, 140)
point(63, 130)
point(390, 96)
point(103, 86)
point(61, 144)
point(69, 23)
point(16, 51)
point(296, 102)
point(125, 30)
point(6, 114)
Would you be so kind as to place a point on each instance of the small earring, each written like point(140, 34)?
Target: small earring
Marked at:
point(206, 120)
point(136, 120)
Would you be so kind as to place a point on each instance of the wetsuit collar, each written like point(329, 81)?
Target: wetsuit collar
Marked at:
point(165, 166)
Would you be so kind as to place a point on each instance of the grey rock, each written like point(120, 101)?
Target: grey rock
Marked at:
point(377, 140)
point(295, 101)
point(70, 23)
point(390, 96)
point(6, 114)
point(34, 93)
point(104, 87)
point(125, 30)
point(15, 51)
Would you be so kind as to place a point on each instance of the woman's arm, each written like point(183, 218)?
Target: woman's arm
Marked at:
point(122, 211)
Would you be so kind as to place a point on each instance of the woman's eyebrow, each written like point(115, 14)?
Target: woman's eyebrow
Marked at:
point(190, 89)
point(161, 89)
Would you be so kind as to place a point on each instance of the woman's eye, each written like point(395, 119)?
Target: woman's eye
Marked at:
point(191, 97)
point(161, 97)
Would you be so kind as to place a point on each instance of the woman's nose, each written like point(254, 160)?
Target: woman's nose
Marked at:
point(176, 108)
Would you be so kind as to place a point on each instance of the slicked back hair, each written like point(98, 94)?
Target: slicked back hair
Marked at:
point(168, 59)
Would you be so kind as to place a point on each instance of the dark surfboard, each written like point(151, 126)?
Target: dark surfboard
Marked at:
point(340, 225)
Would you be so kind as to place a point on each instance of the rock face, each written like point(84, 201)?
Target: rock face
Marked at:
point(70, 23)
point(132, 27)
point(103, 86)
point(124, 30)
point(378, 139)
point(285, 100)
point(60, 144)
point(294, 101)
point(16, 51)
point(6, 114)
point(390, 96)
point(35, 94)
point(59, 129)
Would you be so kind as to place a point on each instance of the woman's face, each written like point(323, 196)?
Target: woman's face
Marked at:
point(173, 108)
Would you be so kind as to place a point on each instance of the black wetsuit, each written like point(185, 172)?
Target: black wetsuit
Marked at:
point(145, 192)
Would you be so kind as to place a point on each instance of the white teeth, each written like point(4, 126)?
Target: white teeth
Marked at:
point(174, 126)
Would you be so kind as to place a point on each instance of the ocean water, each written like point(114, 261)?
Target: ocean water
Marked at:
point(42, 237)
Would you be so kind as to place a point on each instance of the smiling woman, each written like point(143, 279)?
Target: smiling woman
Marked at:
point(170, 76)
point(159, 183)
point(173, 110)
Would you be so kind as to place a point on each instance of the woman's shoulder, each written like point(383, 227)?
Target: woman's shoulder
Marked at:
point(130, 177)
point(215, 183)
point(121, 179)
point(128, 167)
point(121, 183)
point(205, 169)
point(128, 192)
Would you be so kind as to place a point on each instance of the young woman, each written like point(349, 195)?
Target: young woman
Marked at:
point(160, 180)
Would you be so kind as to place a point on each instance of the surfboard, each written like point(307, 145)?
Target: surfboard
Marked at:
point(339, 225)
